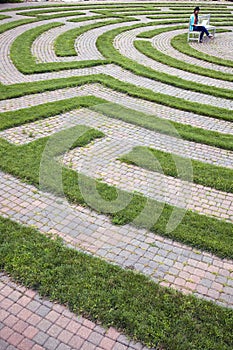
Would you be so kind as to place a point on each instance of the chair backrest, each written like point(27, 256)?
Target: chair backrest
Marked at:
point(204, 20)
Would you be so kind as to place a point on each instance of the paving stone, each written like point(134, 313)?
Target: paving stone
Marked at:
point(30, 322)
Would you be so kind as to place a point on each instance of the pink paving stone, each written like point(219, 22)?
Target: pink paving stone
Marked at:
point(89, 324)
point(65, 336)
point(15, 339)
point(6, 303)
point(37, 347)
point(30, 332)
point(169, 278)
point(112, 333)
point(4, 314)
point(34, 319)
point(73, 327)
point(26, 344)
point(62, 321)
point(15, 309)
point(15, 295)
point(10, 320)
point(195, 279)
point(25, 314)
point(76, 342)
point(107, 343)
point(191, 285)
point(84, 332)
point(213, 294)
point(20, 326)
point(200, 273)
point(180, 281)
point(54, 330)
point(6, 291)
point(184, 274)
point(203, 290)
point(58, 308)
point(5, 333)
point(52, 316)
point(217, 286)
point(30, 293)
point(165, 284)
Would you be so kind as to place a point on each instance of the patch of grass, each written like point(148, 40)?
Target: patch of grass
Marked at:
point(156, 316)
point(4, 17)
point(106, 47)
point(148, 34)
point(10, 25)
point(147, 49)
point(204, 174)
point(46, 110)
point(155, 123)
point(180, 43)
point(17, 90)
point(24, 61)
point(151, 122)
point(64, 43)
point(24, 162)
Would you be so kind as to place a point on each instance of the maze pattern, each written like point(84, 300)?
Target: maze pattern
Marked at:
point(168, 262)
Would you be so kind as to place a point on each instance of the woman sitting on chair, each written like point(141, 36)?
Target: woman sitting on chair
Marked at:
point(195, 27)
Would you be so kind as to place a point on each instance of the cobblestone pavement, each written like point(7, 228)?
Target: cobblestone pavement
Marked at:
point(144, 106)
point(125, 44)
point(30, 322)
point(165, 261)
point(162, 42)
point(99, 160)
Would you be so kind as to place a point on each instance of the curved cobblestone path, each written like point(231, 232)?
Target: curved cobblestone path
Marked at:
point(26, 320)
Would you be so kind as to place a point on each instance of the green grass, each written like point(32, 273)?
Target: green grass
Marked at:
point(204, 174)
point(180, 43)
point(105, 46)
point(151, 122)
point(25, 62)
point(4, 17)
point(24, 162)
point(147, 49)
point(46, 110)
point(155, 123)
point(17, 90)
point(64, 43)
point(10, 25)
point(102, 292)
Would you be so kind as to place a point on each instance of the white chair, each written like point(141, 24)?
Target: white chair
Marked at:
point(203, 20)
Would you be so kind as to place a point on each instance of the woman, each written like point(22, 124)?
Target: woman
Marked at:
point(195, 27)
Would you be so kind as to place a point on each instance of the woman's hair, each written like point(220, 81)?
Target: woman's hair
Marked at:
point(197, 9)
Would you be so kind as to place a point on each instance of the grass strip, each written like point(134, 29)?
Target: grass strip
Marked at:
point(4, 17)
point(180, 43)
point(153, 32)
point(156, 316)
point(154, 123)
point(106, 47)
point(26, 63)
point(112, 110)
point(196, 230)
point(204, 174)
point(22, 89)
point(10, 25)
point(147, 49)
point(65, 43)
point(46, 110)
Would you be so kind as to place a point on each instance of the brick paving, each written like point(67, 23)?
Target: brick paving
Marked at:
point(166, 262)
point(125, 44)
point(100, 160)
point(30, 322)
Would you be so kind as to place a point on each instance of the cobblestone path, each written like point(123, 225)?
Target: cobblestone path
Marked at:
point(30, 322)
